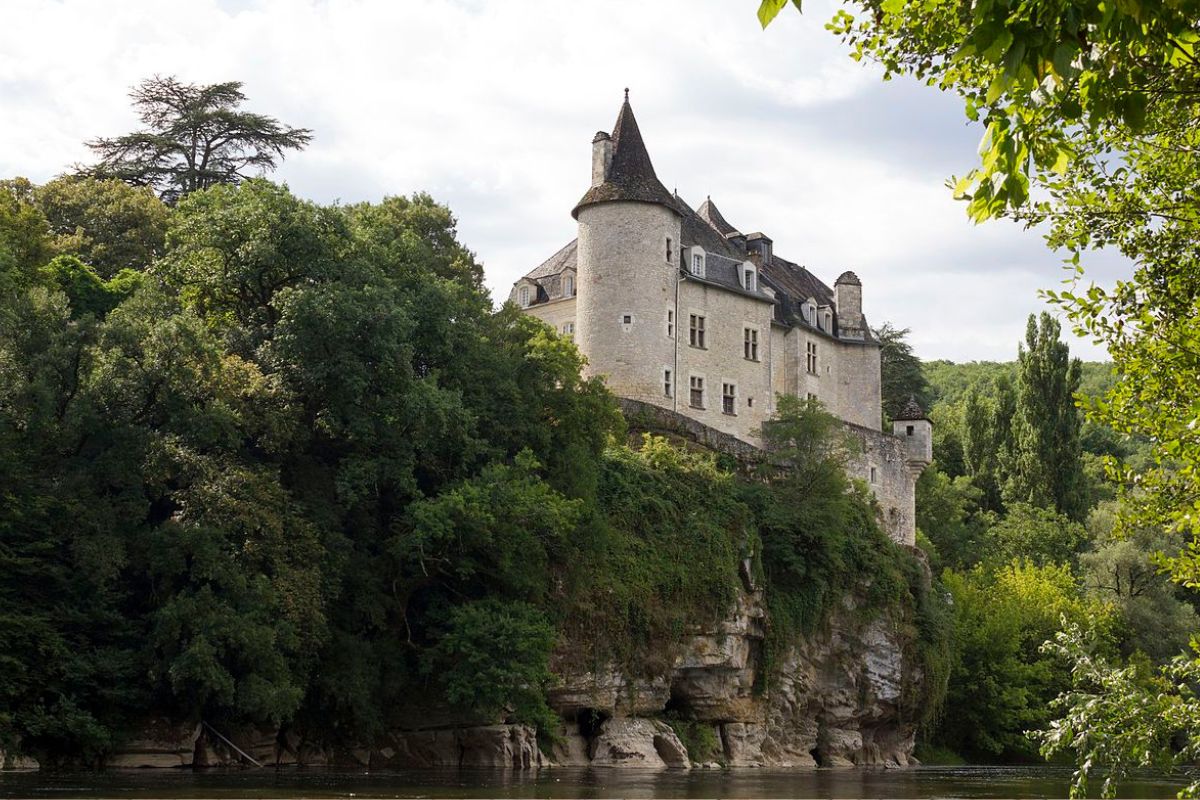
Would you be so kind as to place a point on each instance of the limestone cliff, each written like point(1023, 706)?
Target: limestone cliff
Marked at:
point(836, 699)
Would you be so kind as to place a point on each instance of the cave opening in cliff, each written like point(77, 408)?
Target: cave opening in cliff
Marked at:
point(590, 720)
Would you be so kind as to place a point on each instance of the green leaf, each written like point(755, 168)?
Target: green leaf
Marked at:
point(769, 9)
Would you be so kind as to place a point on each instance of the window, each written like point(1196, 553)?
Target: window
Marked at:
point(873, 477)
point(696, 332)
point(670, 324)
point(811, 358)
point(523, 297)
point(748, 281)
point(728, 398)
point(569, 286)
point(909, 430)
point(827, 322)
point(749, 402)
point(627, 319)
point(569, 328)
point(668, 385)
point(750, 344)
point(812, 398)
point(668, 249)
point(698, 264)
point(697, 395)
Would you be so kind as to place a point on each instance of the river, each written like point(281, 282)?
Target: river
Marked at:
point(941, 782)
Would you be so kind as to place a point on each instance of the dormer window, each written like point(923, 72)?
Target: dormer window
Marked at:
point(749, 282)
point(697, 264)
point(569, 286)
point(810, 313)
point(829, 321)
point(523, 297)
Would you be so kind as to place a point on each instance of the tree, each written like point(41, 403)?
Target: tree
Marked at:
point(1041, 536)
point(1044, 466)
point(1001, 682)
point(107, 224)
point(987, 440)
point(195, 137)
point(900, 371)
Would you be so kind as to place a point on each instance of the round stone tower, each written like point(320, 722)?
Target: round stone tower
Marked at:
point(626, 320)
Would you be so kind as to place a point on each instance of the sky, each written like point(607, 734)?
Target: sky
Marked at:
point(491, 108)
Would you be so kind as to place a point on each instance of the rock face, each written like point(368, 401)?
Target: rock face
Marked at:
point(835, 700)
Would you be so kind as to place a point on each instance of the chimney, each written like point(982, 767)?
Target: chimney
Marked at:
point(601, 157)
point(847, 299)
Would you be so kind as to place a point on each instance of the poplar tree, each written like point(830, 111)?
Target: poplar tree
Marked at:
point(1045, 467)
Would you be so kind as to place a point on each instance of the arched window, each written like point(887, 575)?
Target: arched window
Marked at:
point(569, 286)
point(523, 297)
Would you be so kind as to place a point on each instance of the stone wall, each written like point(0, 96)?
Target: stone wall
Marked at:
point(556, 313)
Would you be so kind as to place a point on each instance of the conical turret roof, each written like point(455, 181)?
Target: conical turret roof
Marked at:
point(912, 410)
point(631, 175)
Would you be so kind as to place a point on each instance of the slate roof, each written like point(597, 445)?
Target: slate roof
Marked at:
point(912, 411)
point(555, 264)
point(631, 175)
point(709, 213)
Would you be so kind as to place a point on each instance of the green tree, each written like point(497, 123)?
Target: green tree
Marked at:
point(1044, 466)
point(195, 136)
point(987, 413)
point(949, 515)
point(1001, 682)
point(1040, 535)
point(900, 371)
point(107, 224)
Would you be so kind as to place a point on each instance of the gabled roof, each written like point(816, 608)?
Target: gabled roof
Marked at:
point(630, 175)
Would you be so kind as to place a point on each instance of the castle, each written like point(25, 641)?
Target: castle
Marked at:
point(679, 309)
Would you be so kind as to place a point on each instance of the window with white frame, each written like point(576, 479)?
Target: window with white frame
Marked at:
point(750, 344)
point(811, 357)
point(696, 397)
point(698, 264)
point(569, 328)
point(569, 286)
point(696, 331)
point(748, 279)
point(668, 384)
point(728, 398)
point(523, 296)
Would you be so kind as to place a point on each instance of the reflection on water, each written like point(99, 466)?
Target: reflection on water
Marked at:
point(941, 782)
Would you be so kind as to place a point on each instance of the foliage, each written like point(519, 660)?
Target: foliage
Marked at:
point(1121, 718)
point(107, 224)
point(1045, 468)
point(1040, 535)
point(949, 515)
point(700, 739)
point(1155, 619)
point(194, 137)
point(1001, 682)
point(495, 655)
point(900, 371)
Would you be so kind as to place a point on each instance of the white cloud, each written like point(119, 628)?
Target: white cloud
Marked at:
point(491, 107)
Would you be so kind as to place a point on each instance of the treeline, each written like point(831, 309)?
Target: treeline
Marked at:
point(267, 462)
point(1018, 516)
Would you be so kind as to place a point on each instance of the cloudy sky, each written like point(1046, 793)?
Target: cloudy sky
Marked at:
point(491, 107)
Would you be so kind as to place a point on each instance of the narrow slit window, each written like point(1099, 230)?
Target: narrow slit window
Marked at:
point(668, 385)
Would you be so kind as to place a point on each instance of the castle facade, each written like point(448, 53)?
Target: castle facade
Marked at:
point(677, 308)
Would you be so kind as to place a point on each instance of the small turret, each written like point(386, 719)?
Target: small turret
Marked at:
point(847, 299)
point(917, 431)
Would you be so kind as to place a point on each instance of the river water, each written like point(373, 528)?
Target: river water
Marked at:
point(940, 782)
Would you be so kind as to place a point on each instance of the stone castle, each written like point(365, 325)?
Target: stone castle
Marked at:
point(679, 309)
